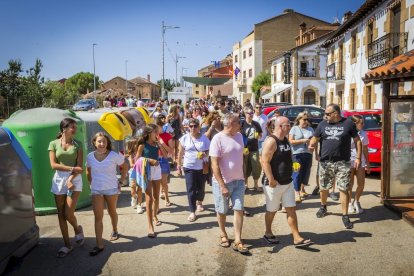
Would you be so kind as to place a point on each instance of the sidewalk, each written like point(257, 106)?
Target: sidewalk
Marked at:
point(380, 243)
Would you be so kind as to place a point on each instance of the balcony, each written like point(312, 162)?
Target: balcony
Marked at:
point(241, 83)
point(309, 73)
point(385, 48)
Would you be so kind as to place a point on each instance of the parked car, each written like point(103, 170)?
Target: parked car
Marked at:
point(315, 114)
point(269, 107)
point(372, 126)
point(85, 104)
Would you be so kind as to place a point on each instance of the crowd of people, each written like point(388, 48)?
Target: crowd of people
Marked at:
point(220, 143)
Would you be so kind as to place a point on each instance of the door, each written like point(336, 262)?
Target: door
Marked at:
point(309, 97)
point(395, 30)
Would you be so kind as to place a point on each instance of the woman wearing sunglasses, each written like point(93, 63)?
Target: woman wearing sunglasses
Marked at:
point(194, 147)
point(299, 138)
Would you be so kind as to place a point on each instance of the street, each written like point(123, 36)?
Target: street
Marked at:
point(380, 243)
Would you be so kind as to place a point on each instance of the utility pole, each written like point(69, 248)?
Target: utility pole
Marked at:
point(126, 77)
point(94, 78)
point(163, 28)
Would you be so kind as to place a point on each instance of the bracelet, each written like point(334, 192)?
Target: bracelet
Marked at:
point(71, 169)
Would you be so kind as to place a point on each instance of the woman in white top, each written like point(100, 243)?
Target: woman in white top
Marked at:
point(194, 147)
point(354, 205)
point(101, 166)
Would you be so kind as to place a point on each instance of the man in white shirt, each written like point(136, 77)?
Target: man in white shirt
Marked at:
point(262, 120)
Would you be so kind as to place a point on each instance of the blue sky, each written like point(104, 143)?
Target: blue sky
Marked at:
point(61, 33)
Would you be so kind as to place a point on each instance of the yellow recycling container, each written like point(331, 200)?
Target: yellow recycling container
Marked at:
point(145, 114)
point(116, 125)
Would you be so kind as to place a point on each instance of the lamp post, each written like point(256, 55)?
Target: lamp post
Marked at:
point(176, 65)
point(94, 79)
point(126, 77)
point(163, 28)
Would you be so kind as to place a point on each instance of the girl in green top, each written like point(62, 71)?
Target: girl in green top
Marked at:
point(65, 154)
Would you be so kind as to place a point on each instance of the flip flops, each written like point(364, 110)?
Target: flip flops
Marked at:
point(271, 239)
point(64, 251)
point(303, 243)
point(80, 238)
point(152, 235)
point(114, 236)
point(95, 251)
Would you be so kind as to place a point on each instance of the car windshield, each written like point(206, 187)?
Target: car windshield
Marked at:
point(372, 122)
point(85, 102)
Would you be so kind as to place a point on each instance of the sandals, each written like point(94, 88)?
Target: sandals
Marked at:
point(80, 238)
point(157, 222)
point(271, 239)
point(224, 241)
point(303, 243)
point(64, 251)
point(167, 204)
point(95, 251)
point(114, 236)
point(192, 217)
point(152, 235)
point(200, 208)
point(240, 247)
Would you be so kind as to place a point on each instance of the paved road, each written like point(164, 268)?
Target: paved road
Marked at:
point(380, 243)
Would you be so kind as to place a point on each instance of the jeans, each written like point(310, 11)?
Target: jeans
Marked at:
point(302, 177)
point(195, 182)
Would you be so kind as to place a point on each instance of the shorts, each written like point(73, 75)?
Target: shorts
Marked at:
point(260, 146)
point(284, 194)
point(236, 194)
point(165, 165)
point(363, 163)
point(155, 173)
point(59, 183)
point(108, 192)
point(252, 165)
point(339, 171)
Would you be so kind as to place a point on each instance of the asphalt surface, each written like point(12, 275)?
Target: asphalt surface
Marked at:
point(380, 243)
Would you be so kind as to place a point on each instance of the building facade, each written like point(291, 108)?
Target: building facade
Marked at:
point(376, 33)
point(149, 90)
point(299, 75)
point(269, 38)
point(122, 87)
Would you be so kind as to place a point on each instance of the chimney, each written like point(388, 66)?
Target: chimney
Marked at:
point(347, 15)
point(148, 77)
point(302, 29)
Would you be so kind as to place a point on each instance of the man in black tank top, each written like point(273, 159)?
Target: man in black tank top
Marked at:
point(278, 187)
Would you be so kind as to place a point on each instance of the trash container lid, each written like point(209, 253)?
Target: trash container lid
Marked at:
point(42, 116)
point(7, 137)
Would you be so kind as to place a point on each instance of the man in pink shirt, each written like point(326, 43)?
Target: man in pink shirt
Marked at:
point(226, 152)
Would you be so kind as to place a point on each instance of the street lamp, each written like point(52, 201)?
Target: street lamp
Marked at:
point(176, 65)
point(163, 28)
point(94, 80)
point(126, 77)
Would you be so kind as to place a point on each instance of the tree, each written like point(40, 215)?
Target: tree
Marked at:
point(33, 94)
point(11, 85)
point(80, 83)
point(168, 84)
point(58, 97)
point(263, 79)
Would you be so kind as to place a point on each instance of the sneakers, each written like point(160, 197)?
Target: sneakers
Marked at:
point(133, 202)
point(321, 212)
point(347, 223)
point(334, 196)
point(140, 210)
point(358, 208)
point(351, 209)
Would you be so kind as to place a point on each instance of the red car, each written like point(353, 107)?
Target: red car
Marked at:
point(269, 107)
point(372, 126)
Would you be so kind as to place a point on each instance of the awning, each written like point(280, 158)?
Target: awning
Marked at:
point(399, 68)
point(277, 91)
point(206, 81)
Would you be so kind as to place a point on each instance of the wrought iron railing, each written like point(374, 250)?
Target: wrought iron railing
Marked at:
point(310, 73)
point(385, 48)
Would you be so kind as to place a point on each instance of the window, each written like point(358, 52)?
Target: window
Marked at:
point(274, 73)
point(315, 113)
point(352, 99)
point(353, 46)
point(370, 34)
point(196, 92)
point(196, 85)
point(250, 51)
point(368, 96)
point(250, 73)
point(309, 97)
point(244, 54)
point(244, 74)
point(236, 58)
point(340, 99)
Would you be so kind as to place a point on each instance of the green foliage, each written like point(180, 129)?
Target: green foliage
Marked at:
point(263, 79)
point(168, 84)
point(58, 97)
point(80, 83)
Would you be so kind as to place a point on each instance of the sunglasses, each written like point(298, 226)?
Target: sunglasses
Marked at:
point(193, 126)
point(258, 107)
point(250, 113)
point(329, 114)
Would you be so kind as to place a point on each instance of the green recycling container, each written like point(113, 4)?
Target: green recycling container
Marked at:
point(34, 129)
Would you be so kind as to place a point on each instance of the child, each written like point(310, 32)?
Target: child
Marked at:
point(131, 148)
point(101, 166)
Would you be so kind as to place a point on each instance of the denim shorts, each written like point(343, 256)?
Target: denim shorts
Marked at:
point(165, 166)
point(236, 194)
point(108, 192)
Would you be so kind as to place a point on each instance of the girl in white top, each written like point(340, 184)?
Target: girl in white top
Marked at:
point(101, 168)
point(354, 205)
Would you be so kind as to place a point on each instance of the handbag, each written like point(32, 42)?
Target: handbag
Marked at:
point(206, 164)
